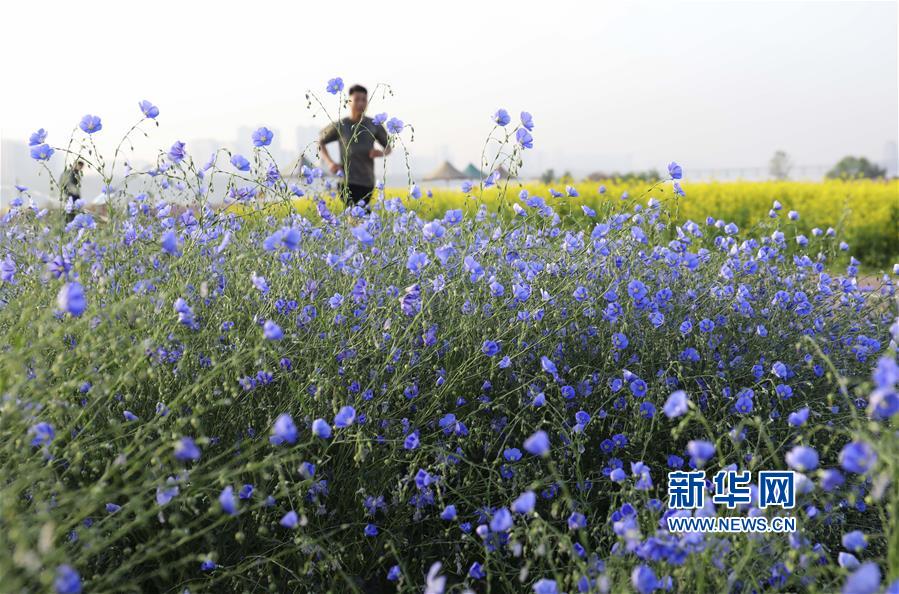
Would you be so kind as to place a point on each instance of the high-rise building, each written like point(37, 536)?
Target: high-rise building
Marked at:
point(891, 158)
point(307, 142)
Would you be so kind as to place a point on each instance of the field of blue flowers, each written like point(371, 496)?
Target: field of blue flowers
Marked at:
point(195, 399)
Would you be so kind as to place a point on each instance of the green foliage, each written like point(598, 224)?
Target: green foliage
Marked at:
point(780, 166)
point(856, 168)
point(645, 177)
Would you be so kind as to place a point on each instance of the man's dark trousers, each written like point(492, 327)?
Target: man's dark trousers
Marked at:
point(358, 195)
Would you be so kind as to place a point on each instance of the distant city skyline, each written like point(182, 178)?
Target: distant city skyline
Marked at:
point(613, 86)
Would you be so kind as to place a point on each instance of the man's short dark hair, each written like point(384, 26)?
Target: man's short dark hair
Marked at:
point(357, 89)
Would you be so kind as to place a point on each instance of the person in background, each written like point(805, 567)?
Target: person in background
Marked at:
point(70, 186)
point(357, 135)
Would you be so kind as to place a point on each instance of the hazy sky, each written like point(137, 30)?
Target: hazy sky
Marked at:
point(610, 84)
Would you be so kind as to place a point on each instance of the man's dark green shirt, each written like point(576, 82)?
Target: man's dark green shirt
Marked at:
point(356, 140)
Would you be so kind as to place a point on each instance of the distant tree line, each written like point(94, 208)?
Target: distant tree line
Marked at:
point(549, 176)
point(848, 167)
point(779, 168)
point(651, 175)
point(648, 176)
point(856, 168)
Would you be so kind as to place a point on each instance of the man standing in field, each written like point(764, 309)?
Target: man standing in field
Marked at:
point(357, 134)
point(70, 186)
